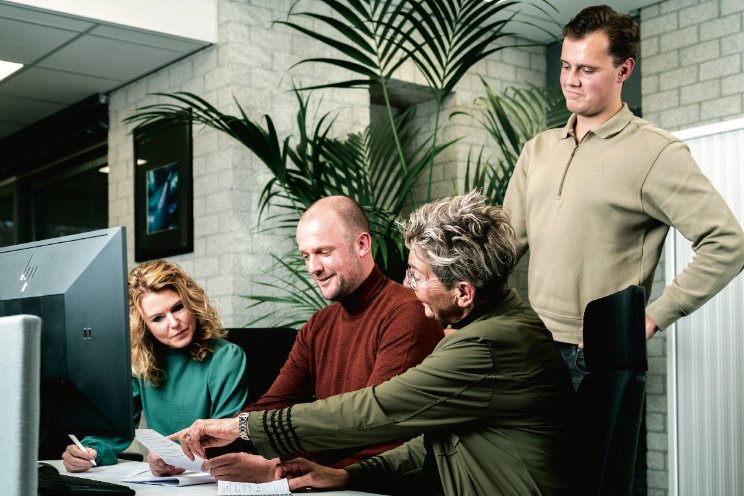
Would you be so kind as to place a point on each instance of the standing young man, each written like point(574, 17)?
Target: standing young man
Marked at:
point(593, 201)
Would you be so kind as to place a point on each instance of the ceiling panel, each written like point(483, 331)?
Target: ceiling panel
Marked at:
point(15, 46)
point(104, 57)
point(55, 86)
point(68, 58)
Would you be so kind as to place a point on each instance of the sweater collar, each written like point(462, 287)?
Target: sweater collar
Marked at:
point(608, 129)
point(359, 299)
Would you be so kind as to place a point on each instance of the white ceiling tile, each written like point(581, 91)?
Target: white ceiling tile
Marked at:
point(15, 36)
point(103, 57)
point(69, 58)
point(55, 86)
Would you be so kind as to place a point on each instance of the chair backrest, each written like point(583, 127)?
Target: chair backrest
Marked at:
point(19, 415)
point(610, 398)
point(266, 350)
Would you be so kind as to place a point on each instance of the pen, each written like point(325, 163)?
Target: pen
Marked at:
point(79, 445)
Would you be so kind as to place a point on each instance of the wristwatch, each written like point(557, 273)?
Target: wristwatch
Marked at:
point(243, 426)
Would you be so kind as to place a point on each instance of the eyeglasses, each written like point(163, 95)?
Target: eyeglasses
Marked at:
point(412, 279)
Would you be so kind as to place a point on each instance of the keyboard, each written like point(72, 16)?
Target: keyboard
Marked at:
point(52, 483)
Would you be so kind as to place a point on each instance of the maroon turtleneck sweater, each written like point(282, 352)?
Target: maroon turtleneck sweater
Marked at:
point(375, 333)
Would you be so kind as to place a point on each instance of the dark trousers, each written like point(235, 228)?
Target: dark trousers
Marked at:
point(574, 358)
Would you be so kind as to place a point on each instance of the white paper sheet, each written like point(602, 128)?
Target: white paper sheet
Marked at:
point(185, 479)
point(273, 488)
point(168, 450)
point(113, 472)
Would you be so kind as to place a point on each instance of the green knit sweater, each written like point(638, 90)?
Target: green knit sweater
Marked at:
point(212, 388)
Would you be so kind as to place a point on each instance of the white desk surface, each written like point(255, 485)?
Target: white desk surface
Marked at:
point(123, 466)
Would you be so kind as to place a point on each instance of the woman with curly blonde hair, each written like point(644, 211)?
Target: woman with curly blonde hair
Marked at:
point(182, 367)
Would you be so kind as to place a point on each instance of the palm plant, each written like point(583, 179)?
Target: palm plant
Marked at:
point(296, 169)
point(378, 166)
point(443, 39)
point(363, 166)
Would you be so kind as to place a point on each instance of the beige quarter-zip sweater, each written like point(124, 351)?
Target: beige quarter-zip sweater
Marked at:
point(594, 216)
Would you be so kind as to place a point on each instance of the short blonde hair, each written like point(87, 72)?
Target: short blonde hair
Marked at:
point(153, 277)
point(462, 238)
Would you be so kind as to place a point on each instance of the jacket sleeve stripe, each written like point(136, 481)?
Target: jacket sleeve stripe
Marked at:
point(280, 433)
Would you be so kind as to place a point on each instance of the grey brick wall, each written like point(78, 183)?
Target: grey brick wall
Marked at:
point(692, 62)
point(692, 75)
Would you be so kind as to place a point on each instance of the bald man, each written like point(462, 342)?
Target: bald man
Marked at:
point(374, 330)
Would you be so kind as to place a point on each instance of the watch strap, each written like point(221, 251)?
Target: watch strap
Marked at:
point(243, 426)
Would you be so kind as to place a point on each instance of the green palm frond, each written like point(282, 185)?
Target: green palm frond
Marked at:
point(188, 107)
point(366, 33)
point(363, 166)
point(293, 288)
point(447, 38)
point(444, 39)
point(450, 37)
point(512, 118)
point(372, 38)
point(490, 177)
point(297, 169)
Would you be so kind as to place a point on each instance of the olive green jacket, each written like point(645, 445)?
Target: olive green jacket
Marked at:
point(491, 402)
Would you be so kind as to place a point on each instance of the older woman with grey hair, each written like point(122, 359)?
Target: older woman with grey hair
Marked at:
point(489, 405)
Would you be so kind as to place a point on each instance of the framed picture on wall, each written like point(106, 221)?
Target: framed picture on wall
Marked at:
point(163, 192)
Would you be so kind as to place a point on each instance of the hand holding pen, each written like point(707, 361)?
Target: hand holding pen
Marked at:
point(78, 458)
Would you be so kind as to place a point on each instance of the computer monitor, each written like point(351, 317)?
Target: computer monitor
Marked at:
point(78, 286)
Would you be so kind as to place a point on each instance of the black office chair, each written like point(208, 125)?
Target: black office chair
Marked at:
point(266, 350)
point(610, 398)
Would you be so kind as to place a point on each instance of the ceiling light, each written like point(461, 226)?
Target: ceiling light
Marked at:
point(8, 68)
